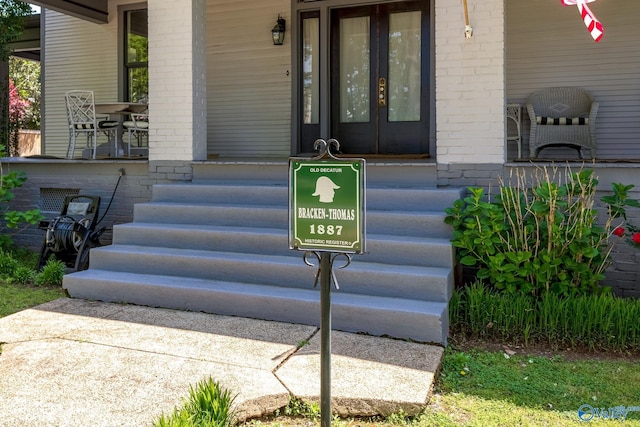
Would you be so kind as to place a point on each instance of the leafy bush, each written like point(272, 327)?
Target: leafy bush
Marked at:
point(23, 275)
point(8, 264)
point(208, 405)
point(300, 408)
point(26, 78)
point(25, 256)
point(617, 203)
point(16, 266)
point(540, 237)
point(603, 321)
point(13, 219)
point(51, 274)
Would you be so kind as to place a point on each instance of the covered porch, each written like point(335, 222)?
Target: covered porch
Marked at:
point(252, 98)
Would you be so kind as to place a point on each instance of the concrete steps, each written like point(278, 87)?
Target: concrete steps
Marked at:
point(222, 247)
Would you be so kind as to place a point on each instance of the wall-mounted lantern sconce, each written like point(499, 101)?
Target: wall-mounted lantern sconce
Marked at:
point(278, 31)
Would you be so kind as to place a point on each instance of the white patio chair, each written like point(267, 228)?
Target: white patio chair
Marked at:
point(138, 128)
point(81, 115)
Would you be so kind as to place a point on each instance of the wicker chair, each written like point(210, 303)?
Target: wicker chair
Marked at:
point(562, 117)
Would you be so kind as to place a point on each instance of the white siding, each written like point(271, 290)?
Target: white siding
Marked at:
point(248, 79)
point(548, 45)
point(78, 55)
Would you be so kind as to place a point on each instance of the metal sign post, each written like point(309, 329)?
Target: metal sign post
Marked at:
point(326, 220)
point(325, 339)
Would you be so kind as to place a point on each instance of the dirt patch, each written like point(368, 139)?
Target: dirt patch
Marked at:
point(541, 349)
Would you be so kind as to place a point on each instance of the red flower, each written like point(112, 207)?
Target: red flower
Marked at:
point(636, 238)
point(619, 231)
point(17, 105)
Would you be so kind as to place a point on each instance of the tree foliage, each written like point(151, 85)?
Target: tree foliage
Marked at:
point(12, 221)
point(12, 14)
point(17, 110)
point(26, 78)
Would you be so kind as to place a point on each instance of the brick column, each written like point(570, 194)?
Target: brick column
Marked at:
point(177, 81)
point(470, 82)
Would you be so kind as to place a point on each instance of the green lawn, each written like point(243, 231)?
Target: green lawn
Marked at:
point(495, 388)
point(489, 388)
point(14, 298)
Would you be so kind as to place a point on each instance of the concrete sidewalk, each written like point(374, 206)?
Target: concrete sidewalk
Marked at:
point(78, 363)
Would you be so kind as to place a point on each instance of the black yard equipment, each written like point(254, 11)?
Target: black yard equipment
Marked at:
point(70, 235)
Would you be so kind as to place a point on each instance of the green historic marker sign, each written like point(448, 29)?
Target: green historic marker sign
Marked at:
point(326, 205)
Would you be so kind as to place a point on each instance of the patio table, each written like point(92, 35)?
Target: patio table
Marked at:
point(116, 110)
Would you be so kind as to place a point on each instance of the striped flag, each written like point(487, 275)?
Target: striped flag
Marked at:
point(593, 25)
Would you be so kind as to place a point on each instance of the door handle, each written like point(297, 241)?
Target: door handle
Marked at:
point(382, 92)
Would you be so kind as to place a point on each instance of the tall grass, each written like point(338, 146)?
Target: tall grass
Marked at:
point(208, 405)
point(598, 322)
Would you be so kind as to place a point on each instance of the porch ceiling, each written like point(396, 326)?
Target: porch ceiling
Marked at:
point(90, 10)
point(28, 45)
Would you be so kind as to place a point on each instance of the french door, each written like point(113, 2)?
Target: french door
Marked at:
point(379, 78)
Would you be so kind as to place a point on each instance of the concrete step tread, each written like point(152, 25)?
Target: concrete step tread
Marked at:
point(358, 261)
point(205, 228)
point(284, 184)
point(206, 204)
point(160, 226)
point(279, 189)
point(284, 207)
point(227, 183)
point(338, 297)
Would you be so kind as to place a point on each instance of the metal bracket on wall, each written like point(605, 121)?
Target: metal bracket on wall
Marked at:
point(468, 31)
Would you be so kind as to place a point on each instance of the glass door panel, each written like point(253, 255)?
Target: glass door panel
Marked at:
point(309, 78)
point(310, 70)
point(355, 76)
point(405, 74)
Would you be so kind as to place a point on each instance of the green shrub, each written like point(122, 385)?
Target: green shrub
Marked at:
point(598, 321)
point(8, 264)
point(51, 274)
point(208, 405)
point(300, 408)
point(12, 219)
point(25, 256)
point(540, 236)
point(23, 275)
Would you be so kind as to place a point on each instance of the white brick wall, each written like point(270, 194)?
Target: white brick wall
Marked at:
point(177, 89)
point(470, 82)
